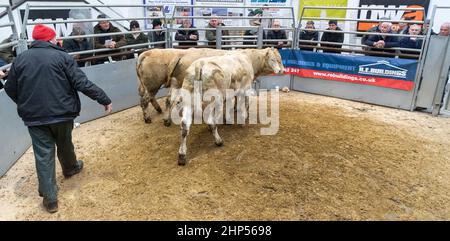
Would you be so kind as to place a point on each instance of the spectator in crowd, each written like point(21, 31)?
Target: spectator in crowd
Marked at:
point(267, 20)
point(77, 44)
point(374, 29)
point(277, 34)
point(335, 37)
point(135, 38)
point(412, 42)
point(158, 36)
point(426, 27)
point(44, 82)
point(113, 41)
point(187, 37)
point(254, 31)
point(211, 34)
point(380, 42)
point(7, 54)
point(403, 28)
point(309, 34)
point(445, 29)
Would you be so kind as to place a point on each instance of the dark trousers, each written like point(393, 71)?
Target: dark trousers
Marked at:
point(44, 139)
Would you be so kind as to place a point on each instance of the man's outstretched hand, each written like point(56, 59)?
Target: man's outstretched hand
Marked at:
point(108, 108)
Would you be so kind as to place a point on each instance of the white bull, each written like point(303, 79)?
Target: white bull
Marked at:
point(235, 71)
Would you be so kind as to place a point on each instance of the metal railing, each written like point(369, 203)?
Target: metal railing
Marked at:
point(362, 45)
point(246, 40)
point(97, 6)
point(13, 38)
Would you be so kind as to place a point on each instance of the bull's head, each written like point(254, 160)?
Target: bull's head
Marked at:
point(273, 61)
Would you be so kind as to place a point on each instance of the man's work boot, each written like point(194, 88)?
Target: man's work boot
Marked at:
point(50, 206)
point(75, 170)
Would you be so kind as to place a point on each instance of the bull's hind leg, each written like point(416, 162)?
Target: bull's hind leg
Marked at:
point(167, 119)
point(145, 107)
point(212, 123)
point(186, 122)
point(183, 148)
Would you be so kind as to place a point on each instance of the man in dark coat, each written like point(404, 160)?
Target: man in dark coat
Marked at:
point(77, 45)
point(187, 37)
point(158, 36)
point(380, 43)
point(309, 34)
point(277, 34)
point(335, 37)
point(44, 82)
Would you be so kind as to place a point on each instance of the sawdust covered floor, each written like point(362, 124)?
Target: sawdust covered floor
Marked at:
point(331, 160)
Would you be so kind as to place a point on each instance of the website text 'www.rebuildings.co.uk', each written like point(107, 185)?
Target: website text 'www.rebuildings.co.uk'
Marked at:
point(344, 77)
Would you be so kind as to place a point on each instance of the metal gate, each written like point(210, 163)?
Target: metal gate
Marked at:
point(433, 93)
point(14, 136)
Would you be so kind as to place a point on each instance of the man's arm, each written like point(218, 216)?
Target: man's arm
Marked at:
point(81, 83)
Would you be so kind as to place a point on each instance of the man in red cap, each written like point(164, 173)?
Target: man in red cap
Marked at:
point(44, 82)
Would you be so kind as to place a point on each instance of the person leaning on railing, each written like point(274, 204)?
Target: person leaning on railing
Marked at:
point(158, 36)
point(77, 44)
point(211, 34)
point(277, 34)
point(136, 38)
point(412, 42)
point(335, 37)
point(113, 41)
point(187, 37)
point(310, 35)
point(381, 42)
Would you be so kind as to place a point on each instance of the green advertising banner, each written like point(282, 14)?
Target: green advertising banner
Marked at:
point(317, 12)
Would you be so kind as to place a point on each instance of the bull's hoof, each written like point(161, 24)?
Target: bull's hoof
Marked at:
point(181, 159)
point(159, 110)
point(148, 120)
point(219, 143)
point(167, 123)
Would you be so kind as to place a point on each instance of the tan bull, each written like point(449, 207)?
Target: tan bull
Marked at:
point(236, 71)
point(155, 65)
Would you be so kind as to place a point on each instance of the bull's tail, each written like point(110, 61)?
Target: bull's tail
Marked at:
point(171, 69)
point(139, 63)
point(198, 72)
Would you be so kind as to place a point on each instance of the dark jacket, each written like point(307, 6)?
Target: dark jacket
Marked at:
point(252, 32)
point(332, 37)
point(157, 37)
point(211, 34)
point(142, 38)
point(407, 42)
point(183, 35)
point(44, 81)
point(308, 35)
point(71, 45)
point(99, 42)
point(390, 41)
point(280, 34)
